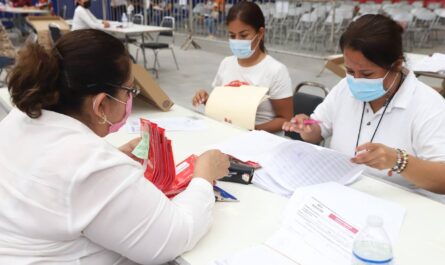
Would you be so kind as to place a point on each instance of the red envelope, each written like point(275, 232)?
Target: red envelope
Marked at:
point(161, 170)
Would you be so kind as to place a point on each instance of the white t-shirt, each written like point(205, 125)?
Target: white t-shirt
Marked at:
point(414, 121)
point(84, 19)
point(268, 73)
point(69, 197)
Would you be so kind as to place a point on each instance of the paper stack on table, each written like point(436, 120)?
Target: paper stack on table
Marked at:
point(435, 63)
point(319, 227)
point(236, 104)
point(288, 164)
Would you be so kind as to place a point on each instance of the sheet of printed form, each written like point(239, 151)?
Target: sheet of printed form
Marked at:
point(288, 164)
point(319, 226)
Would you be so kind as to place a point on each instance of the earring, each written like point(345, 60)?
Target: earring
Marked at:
point(104, 119)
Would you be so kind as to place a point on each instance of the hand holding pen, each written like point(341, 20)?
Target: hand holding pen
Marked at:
point(300, 123)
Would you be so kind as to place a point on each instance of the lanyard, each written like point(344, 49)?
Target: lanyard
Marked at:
point(378, 124)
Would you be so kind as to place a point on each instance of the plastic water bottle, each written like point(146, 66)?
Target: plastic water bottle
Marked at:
point(124, 20)
point(372, 245)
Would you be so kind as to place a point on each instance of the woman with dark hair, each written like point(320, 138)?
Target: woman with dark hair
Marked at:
point(381, 114)
point(68, 196)
point(252, 64)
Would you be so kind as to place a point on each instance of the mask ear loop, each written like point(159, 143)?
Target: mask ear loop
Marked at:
point(104, 119)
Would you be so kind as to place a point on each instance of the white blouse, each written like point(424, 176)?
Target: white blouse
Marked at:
point(414, 121)
point(69, 197)
point(84, 19)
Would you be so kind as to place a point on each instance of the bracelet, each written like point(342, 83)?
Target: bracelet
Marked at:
point(401, 163)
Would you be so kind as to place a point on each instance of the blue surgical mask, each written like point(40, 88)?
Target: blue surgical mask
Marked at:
point(367, 89)
point(242, 49)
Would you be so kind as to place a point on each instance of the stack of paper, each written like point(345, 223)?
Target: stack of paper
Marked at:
point(435, 63)
point(319, 227)
point(287, 164)
point(156, 149)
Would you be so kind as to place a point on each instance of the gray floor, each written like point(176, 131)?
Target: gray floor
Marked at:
point(198, 68)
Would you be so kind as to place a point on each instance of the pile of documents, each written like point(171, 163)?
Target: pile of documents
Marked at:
point(319, 225)
point(156, 149)
point(434, 63)
point(287, 164)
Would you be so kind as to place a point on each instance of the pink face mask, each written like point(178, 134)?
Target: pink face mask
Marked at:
point(114, 127)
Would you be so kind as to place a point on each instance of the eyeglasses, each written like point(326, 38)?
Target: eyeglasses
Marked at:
point(133, 90)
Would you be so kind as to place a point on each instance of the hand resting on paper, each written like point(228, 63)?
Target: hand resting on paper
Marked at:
point(200, 97)
point(129, 147)
point(212, 165)
point(375, 155)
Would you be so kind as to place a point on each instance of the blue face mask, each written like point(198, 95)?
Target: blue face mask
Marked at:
point(367, 89)
point(242, 49)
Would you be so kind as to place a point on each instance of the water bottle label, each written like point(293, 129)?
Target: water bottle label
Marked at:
point(368, 261)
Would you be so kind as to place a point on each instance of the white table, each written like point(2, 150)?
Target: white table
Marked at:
point(258, 214)
point(117, 29)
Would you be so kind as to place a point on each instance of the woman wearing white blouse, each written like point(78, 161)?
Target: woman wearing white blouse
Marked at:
point(252, 65)
point(380, 113)
point(84, 19)
point(68, 196)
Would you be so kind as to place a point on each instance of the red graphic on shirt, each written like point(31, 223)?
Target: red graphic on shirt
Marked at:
point(237, 83)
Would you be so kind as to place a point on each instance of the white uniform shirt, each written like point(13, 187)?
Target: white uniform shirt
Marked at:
point(69, 197)
point(414, 121)
point(84, 19)
point(268, 73)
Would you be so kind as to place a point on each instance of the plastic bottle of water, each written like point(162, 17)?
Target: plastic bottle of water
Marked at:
point(372, 245)
point(124, 20)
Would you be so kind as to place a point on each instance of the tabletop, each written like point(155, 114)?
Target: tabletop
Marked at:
point(251, 221)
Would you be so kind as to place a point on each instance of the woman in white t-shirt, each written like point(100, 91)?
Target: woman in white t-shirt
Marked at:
point(84, 19)
point(381, 114)
point(251, 64)
point(67, 195)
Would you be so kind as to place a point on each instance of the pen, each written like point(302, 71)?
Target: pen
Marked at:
point(224, 193)
point(311, 122)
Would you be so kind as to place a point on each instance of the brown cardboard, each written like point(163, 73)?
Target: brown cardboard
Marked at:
point(335, 63)
point(40, 25)
point(150, 90)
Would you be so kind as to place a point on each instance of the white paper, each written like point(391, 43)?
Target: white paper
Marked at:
point(296, 164)
point(319, 226)
point(190, 123)
point(435, 63)
point(250, 146)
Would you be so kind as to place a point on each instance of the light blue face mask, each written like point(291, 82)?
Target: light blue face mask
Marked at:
point(242, 49)
point(367, 89)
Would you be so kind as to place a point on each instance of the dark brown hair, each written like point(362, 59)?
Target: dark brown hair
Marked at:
point(249, 13)
point(82, 63)
point(377, 37)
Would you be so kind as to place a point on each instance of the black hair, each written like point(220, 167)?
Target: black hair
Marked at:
point(82, 63)
point(377, 37)
point(249, 13)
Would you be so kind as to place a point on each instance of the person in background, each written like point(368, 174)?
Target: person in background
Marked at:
point(70, 197)
point(118, 7)
point(381, 114)
point(84, 19)
point(250, 63)
point(211, 16)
